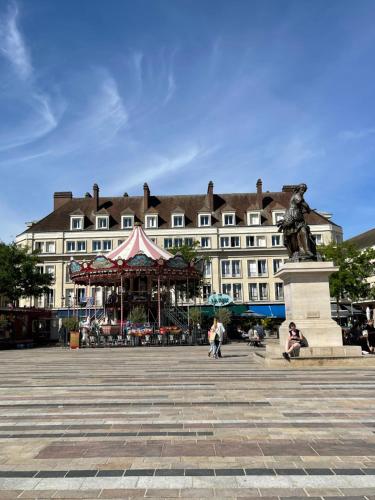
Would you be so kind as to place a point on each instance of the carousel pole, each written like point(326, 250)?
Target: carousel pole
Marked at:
point(187, 299)
point(121, 306)
point(159, 310)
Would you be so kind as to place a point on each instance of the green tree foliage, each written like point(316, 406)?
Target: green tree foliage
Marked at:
point(138, 315)
point(71, 324)
point(223, 315)
point(195, 315)
point(355, 266)
point(189, 253)
point(19, 275)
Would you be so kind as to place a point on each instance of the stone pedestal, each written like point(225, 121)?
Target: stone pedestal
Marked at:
point(307, 303)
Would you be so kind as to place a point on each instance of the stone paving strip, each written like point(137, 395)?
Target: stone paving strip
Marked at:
point(171, 423)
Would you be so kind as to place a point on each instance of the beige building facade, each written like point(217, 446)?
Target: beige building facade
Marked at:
point(237, 231)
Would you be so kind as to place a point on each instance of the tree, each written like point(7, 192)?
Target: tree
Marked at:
point(223, 315)
point(19, 274)
point(355, 266)
point(138, 315)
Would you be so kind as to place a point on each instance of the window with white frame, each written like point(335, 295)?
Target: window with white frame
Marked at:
point(253, 218)
point(253, 291)
point(107, 245)
point(276, 264)
point(49, 269)
point(50, 247)
point(318, 239)
point(250, 241)
point(276, 240)
point(237, 292)
point(50, 298)
point(39, 246)
point(226, 269)
point(96, 246)
point(81, 296)
point(257, 267)
point(127, 221)
point(229, 241)
point(229, 219)
point(251, 268)
point(256, 241)
point(102, 222)
point(45, 246)
point(76, 246)
point(277, 217)
point(67, 274)
point(151, 221)
point(226, 288)
point(168, 242)
point(205, 242)
point(189, 242)
point(70, 246)
point(207, 269)
point(262, 267)
point(178, 220)
point(263, 291)
point(76, 223)
point(206, 291)
point(279, 291)
point(261, 241)
point(224, 242)
point(81, 246)
point(204, 220)
point(178, 242)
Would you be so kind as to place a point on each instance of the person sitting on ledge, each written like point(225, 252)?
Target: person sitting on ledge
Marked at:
point(294, 341)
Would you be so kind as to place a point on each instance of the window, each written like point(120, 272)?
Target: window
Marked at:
point(207, 268)
point(204, 220)
point(228, 219)
point(253, 218)
point(224, 241)
point(276, 265)
point(39, 245)
point(70, 246)
point(50, 298)
point(50, 270)
point(81, 296)
point(225, 268)
point(178, 242)
point(263, 291)
point(67, 274)
point(151, 221)
point(96, 246)
point(253, 291)
point(256, 241)
point(235, 241)
point(107, 245)
point(205, 242)
point(76, 223)
point(277, 217)
point(168, 243)
point(127, 221)
point(102, 222)
point(230, 268)
point(50, 247)
point(178, 221)
point(237, 292)
point(279, 291)
point(69, 297)
point(227, 288)
point(189, 242)
point(120, 242)
point(251, 268)
point(262, 267)
point(276, 240)
point(81, 246)
point(206, 291)
point(318, 239)
point(236, 268)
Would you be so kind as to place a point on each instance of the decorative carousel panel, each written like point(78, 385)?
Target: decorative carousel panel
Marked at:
point(177, 262)
point(74, 267)
point(101, 262)
point(140, 260)
point(199, 265)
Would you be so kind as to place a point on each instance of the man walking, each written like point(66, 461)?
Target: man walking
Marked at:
point(220, 330)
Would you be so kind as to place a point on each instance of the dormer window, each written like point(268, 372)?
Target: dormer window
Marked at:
point(76, 223)
point(151, 221)
point(127, 221)
point(229, 219)
point(204, 220)
point(253, 219)
point(102, 222)
point(277, 217)
point(178, 220)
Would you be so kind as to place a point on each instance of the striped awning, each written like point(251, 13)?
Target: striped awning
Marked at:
point(138, 242)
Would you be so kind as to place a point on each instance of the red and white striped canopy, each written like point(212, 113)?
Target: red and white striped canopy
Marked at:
point(138, 242)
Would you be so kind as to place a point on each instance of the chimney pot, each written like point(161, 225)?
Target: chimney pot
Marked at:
point(259, 194)
point(210, 195)
point(60, 198)
point(146, 197)
point(95, 190)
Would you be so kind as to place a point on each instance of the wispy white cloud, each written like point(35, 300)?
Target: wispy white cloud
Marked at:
point(12, 44)
point(352, 135)
point(171, 88)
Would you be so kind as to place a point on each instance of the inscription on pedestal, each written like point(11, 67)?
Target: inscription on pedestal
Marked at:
point(312, 314)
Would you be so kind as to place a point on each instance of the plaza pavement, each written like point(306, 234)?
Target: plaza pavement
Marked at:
point(171, 423)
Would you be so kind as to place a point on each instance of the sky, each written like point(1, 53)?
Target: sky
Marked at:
point(180, 92)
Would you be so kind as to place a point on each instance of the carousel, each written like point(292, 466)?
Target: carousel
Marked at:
point(137, 274)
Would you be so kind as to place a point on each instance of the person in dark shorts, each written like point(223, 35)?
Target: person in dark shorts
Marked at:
point(294, 341)
point(371, 335)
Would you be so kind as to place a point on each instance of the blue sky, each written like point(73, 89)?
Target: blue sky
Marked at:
point(179, 92)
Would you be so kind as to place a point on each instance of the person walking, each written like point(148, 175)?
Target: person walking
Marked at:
point(211, 338)
point(219, 337)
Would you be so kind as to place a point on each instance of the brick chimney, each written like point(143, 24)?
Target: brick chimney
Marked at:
point(210, 195)
point(60, 198)
point(95, 190)
point(146, 197)
point(259, 194)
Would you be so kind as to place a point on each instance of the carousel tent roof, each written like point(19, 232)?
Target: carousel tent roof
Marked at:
point(138, 242)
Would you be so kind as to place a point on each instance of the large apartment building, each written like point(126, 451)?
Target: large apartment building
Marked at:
point(236, 230)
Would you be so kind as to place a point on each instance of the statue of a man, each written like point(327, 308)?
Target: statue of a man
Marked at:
point(297, 236)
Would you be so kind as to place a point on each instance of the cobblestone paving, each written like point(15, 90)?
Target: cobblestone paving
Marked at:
point(172, 423)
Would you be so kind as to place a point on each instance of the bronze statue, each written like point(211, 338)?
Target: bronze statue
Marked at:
point(297, 236)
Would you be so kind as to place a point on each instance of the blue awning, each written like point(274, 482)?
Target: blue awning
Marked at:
point(269, 310)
